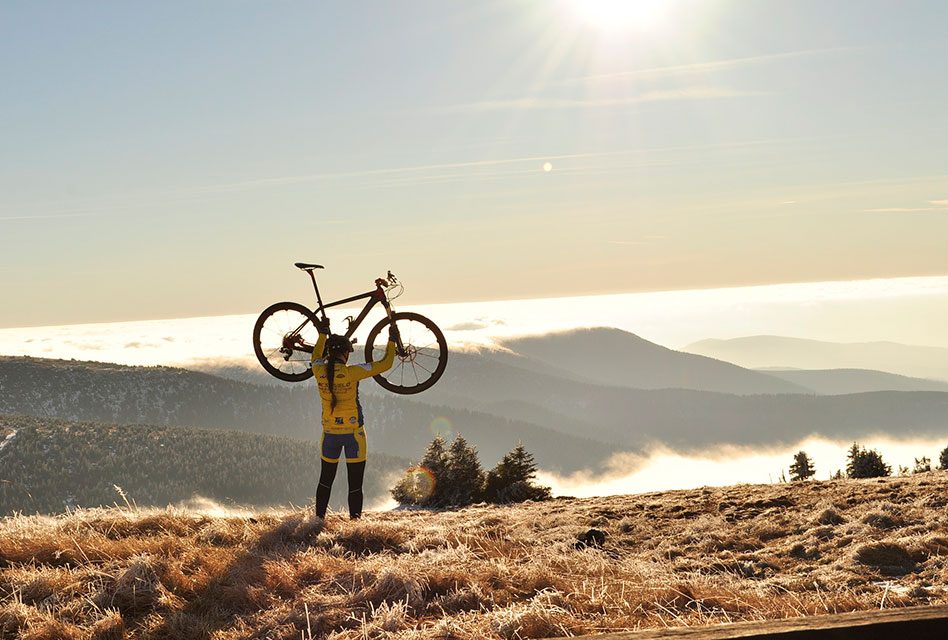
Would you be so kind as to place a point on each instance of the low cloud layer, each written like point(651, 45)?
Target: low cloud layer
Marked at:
point(663, 469)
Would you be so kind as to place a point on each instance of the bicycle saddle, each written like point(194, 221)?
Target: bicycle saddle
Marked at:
point(308, 267)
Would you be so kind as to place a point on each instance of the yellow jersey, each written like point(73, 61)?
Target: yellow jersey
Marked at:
point(347, 416)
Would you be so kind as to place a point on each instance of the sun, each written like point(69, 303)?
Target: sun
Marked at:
point(611, 15)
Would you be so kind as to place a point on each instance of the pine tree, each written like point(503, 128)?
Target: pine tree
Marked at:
point(866, 464)
point(424, 484)
point(943, 460)
point(802, 467)
point(464, 481)
point(851, 456)
point(512, 479)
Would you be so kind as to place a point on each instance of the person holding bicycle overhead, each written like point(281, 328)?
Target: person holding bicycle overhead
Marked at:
point(342, 419)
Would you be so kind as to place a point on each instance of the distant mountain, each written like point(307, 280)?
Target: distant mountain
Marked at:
point(685, 418)
point(396, 425)
point(843, 381)
point(798, 353)
point(618, 358)
point(567, 424)
point(514, 387)
point(48, 465)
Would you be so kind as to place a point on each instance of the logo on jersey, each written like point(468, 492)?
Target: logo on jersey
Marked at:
point(353, 420)
point(340, 420)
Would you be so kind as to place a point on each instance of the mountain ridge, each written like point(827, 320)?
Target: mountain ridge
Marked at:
point(123, 394)
point(804, 353)
point(620, 358)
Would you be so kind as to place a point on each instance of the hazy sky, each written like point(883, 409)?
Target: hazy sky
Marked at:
point(173, 159)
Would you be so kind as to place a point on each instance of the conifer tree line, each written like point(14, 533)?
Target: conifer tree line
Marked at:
point(452, 476)
point(863, 463)
point(50, 465)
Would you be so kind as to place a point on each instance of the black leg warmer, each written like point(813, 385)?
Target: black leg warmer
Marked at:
point(326, 475)
point(356, 473)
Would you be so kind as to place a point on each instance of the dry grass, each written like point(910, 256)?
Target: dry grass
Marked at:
point(670, 559)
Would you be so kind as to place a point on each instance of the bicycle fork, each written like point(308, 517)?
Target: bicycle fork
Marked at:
point(399, 347)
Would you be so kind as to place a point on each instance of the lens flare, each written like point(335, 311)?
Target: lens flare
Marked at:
point(420, 483)
point(442, 426)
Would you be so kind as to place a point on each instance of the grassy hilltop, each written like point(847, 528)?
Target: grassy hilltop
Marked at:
point(676, 558)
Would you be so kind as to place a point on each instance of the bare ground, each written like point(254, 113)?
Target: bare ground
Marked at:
point(669, 559)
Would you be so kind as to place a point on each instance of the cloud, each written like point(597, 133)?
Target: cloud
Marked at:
point(467, 326)
point(713, 66)
point(135, 344)
point(900, 209)
point(935, 205)
point(47, 216)
point(91, 346)
point(393, 171)
point(663, 468)
point(521, 104)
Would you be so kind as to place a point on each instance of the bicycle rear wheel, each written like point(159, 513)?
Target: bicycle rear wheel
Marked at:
point(423, 357)
point(273, 340)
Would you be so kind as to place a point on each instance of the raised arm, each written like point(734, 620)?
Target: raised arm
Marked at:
point(370, 369)
point(323, 328)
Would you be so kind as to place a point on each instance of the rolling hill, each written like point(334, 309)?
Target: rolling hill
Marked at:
point(684, 418)
point(618, 358)
point(50, 465)
point(553, 417)
point(101, 392)
point(843, 381)
point(797, 353)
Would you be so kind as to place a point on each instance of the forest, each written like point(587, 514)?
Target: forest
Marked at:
point(50, 465)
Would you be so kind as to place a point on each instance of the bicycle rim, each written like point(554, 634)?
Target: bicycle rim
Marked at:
point(424, 358)
point(278, 322)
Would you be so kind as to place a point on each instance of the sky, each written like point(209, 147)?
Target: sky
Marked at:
point(173, 159)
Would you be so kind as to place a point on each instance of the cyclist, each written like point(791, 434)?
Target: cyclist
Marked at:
point(343, 427)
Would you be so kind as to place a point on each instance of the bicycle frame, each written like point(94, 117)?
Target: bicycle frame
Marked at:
point(377, 296)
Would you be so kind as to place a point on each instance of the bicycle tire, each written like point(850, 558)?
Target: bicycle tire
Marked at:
point(300, 370)
point(403, 320)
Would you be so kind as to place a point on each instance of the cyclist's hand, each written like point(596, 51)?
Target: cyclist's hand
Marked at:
point(322, 325)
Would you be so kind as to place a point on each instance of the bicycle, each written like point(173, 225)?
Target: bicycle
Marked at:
point(285, 332)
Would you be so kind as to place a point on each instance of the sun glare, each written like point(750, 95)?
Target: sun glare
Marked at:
point(621, 14)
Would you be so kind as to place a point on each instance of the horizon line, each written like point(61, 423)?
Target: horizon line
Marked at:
point(570, 296)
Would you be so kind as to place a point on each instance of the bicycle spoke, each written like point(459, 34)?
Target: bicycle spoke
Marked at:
point(392, 373)
point(419, 364)
point(273, 331)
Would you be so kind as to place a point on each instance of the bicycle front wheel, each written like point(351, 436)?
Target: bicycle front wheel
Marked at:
point(420, 361)
point(274, 340)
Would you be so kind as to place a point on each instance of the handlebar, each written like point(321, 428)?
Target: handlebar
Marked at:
point(388, 280)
